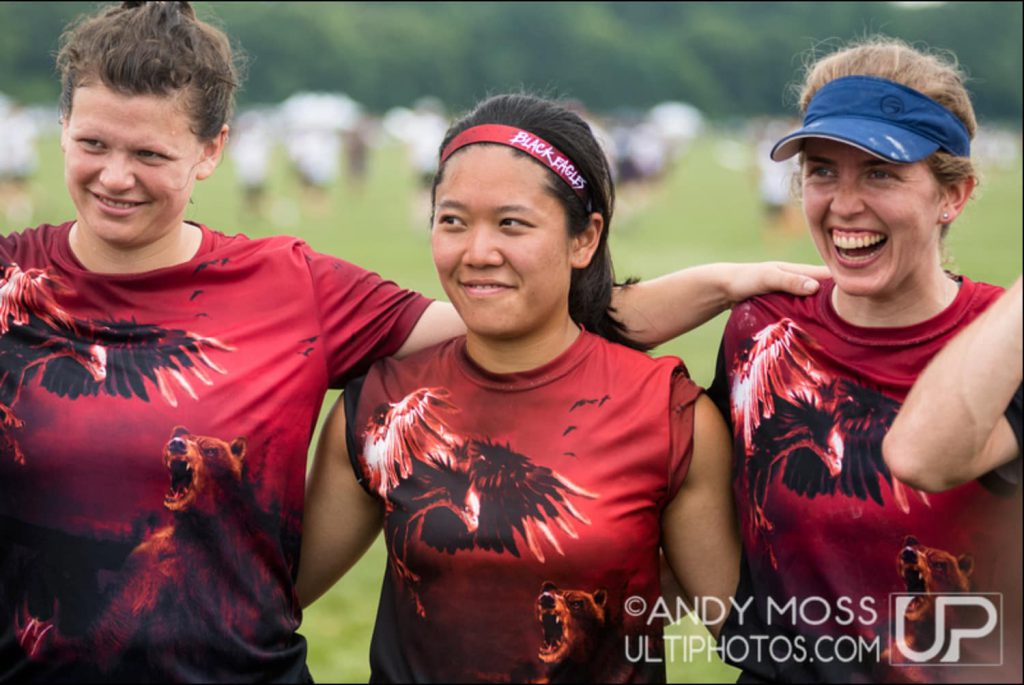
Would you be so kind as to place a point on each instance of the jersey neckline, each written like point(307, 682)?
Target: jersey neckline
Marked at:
point(518, 381)
point(67, 259)
point(946, 320)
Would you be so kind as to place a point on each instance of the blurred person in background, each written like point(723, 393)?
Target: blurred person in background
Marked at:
point(779, 209)
point(249, 147)
point(527, 474)
point(842, 561)
point(18, 161)
point(161, 380)
point(962, 418)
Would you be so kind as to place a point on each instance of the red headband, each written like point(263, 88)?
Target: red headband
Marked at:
point(544, 152)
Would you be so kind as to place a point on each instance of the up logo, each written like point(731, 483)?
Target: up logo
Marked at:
point(937, 613)
point(957, 618)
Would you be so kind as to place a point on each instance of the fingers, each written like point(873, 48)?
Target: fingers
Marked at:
point(814, 271)
point(796, 279)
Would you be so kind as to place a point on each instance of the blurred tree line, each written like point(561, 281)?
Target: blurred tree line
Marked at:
point(727, 58)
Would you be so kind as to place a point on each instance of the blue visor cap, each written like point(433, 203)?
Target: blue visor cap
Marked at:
point(886, 119)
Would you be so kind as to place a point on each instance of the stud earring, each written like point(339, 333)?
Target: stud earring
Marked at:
point(945, 216)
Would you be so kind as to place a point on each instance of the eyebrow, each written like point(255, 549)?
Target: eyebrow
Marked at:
point(455, 204)
point(873, 161)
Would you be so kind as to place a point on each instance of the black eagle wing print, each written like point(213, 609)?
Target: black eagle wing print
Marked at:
point(122, 358)
point(454, 492)
point(81, 358)
point(820, 433)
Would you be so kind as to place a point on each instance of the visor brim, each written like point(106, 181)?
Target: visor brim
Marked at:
point(885, 141)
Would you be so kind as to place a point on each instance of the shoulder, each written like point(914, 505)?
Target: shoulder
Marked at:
point(980, 294)
point(33, 246)
point(280, 250)
point(430, 366)
point(623, 366)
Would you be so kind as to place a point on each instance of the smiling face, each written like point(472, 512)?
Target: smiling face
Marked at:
point(878, 225)
point(130, 163)
point(502, 249)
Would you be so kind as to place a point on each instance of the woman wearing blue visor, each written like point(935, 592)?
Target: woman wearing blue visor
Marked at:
point(848, 574)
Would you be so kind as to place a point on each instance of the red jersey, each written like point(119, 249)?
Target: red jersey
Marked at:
point(848, 573)
point(154, 430)
point(522, 511)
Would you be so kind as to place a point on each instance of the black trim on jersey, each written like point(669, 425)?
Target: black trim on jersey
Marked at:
point(1007, 477)
point(718, 391)
point(353, 391)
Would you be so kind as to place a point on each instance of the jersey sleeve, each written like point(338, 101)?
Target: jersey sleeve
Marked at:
point(1011, 471)
point(363, 316)
point(682, 403)
point(718, 391)
point(351, 398)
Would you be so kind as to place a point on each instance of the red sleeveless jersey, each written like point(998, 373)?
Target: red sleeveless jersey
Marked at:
point(848, 572)
point(522, 511)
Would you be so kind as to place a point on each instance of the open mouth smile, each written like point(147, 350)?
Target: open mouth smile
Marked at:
point(855, 246)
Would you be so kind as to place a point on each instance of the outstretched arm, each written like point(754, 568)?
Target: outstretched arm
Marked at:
point(952, 427)
point(663, 308)
point(341, 520)
point(700, 536)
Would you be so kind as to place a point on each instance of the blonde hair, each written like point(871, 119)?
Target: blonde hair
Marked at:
point(936, 74)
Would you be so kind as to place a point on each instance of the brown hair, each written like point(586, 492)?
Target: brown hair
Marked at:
point(936, 74)
point(153, 48)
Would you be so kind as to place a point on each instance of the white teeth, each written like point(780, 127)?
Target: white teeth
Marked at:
point(117, 205)
point(845, 242)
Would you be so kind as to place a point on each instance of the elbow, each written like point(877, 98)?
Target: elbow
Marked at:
point(910, 465)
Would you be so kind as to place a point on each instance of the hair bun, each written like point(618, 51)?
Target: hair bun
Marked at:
point(182, 6)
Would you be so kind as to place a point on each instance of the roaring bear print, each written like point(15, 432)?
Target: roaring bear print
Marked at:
point(579, 641)
point(181, 577)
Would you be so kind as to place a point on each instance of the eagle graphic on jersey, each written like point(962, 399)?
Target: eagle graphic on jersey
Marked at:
point(454, 492)
point(78, 357)
point(823, 434)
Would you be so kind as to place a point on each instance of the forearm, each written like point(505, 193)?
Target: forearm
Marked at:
point(340, 522)
point(663, 308)
point(950, 429)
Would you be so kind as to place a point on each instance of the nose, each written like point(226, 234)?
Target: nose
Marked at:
point(482, 248)
point(909, 556)
point(847, 200)
point(547, 601)
point(117, 174)
point(176, 446)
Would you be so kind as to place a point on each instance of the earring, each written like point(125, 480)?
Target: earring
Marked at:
point(945, 216)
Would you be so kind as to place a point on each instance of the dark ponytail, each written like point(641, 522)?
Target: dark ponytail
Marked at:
point(590, 291)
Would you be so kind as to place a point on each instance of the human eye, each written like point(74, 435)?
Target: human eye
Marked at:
point(150, 156)
point(882, 174)
point(90, 144)
point(819, 171)
point(448, 221)
point(514, 223)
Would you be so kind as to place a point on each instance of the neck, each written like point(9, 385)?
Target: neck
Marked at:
point(520, 354)
point(177, 247)
point(908, 306)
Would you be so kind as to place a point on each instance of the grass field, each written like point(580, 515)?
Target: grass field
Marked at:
point(702, 212)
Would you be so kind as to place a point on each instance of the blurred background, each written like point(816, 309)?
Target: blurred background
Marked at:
point(336, 135)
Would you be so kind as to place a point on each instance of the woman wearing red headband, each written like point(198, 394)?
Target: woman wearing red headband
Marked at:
point(529, 472)
point(848, 573)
